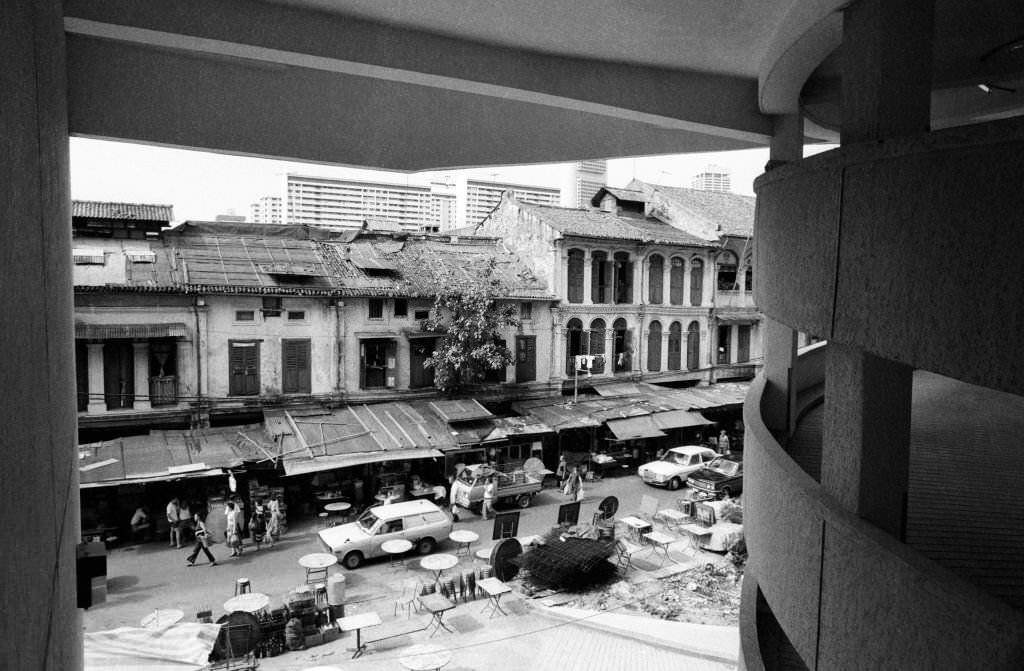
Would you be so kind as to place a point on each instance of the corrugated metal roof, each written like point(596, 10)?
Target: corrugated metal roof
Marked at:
point(107, 210)
point(460, 410)
point(598, 224)
point(677, 419)
point(633, 428)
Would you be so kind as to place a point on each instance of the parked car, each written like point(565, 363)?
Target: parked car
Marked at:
point(420, 522)
point(722, 477)
point(672, 469)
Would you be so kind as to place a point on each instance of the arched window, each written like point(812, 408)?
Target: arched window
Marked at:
point(727, 279)
point(654, 347)
point(573, 344)
point(656, 279)
point(600, 278)
point(623, 278)
point(675, 345)
point(574, 273)
point(622, 350)
point(675, 281)
point(696, 282)
point(597, 336)
point(693, 346)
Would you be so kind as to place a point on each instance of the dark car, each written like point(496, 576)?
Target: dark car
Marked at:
point(721, 477)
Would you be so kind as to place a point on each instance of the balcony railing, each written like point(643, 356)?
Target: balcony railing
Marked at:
point(163, 390)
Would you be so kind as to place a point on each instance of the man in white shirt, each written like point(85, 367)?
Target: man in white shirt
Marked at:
point(174, 520)
point(488, 506)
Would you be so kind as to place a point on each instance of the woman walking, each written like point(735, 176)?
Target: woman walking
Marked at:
point(234, 530)
point(274, 521)
point(258, 523)
point(574, 485)
point(202, 542)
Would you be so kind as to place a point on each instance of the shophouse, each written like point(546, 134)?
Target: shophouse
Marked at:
point(638, 298)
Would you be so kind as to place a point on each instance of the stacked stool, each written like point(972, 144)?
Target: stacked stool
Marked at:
point(242, 586)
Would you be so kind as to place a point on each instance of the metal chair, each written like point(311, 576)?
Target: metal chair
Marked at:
point(242, 586)
point(625, 550)
point(407, 599)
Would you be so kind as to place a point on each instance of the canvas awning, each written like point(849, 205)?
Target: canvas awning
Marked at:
point(678, 419)
point(632, 428)
point(110, 331)
point(316, 464)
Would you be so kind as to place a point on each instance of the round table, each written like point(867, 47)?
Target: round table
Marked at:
point(162, 617)
point(251, 602)
point(396, 548)
point(438, 563)
point(484, 554)
point(425, 657)
point(340, 507)
point(316, 565)
point(463, 539)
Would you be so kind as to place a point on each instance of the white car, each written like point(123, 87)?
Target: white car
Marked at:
point(675, 465)
point(420, 522)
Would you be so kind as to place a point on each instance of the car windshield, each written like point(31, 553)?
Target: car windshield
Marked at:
point(676, 458)
point(724, 466)
point(367, 521)
point(466, 477)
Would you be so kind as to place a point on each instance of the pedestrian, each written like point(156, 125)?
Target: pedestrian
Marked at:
point(258, 523)
point(174, 521)
point(573, 484)
point(240, 507)
point(233, 532)
point(488, 505)
point(723, 442)
point(140, 523)
point(562, 470)
point(202, 541)
point(274, 521)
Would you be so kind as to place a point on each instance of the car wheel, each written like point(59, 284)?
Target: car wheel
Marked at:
point(353, 560)
point(425, 546)
point(524, 500)
point(674, 484)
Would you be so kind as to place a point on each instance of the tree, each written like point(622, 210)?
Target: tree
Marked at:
point(468, 311)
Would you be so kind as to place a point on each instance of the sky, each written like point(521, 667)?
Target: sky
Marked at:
point(200, 185)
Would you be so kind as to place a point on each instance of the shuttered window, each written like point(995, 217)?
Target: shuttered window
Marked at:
point(693, 346)
point(675, 345)
point(696, 282)
point(295, 358)
point(675, 281)
point(600, 278)
point(656, 281)
point(654, 347)
point(597, 337)
point(743, 342)
point(526, 358)
point(575, 276)
point(243, 368)
point(623, 268)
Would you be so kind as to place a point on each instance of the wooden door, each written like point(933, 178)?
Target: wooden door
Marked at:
point(526, 358)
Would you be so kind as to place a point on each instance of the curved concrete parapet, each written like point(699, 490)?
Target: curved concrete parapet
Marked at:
point(841, 589)
point(921, 231)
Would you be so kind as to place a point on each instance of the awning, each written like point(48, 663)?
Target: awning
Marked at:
point(738, 315)
point(110, 331)
point(460, 411)
point(632, 428)
point(328, 463)
point(166, 476)
point(564, 416)
point(617, 389)
point(677, 419)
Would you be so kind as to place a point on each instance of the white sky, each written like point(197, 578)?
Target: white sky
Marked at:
point(201, 185)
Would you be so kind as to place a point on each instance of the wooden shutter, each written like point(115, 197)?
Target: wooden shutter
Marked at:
point(696, 282)
point(675, 343)
point(654, 347)
point(392, 366)
point(575, 276)
point(675, 282)
point(656, 281)
point(743, 343)
point(295, 357)
point(362, 365)
point(526, 358)
point(693, 347)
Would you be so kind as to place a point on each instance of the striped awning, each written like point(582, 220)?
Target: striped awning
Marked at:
point(111, 331)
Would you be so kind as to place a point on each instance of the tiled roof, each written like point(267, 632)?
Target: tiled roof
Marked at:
point(138, 211)
point(598, 224)
point(621, 194)
point(731, 211)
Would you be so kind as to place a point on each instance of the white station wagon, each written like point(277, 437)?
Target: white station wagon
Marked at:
point(420, 522)
point(675, 465)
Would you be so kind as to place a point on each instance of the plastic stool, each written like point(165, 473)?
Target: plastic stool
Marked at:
point(448, 587)
point(242, 586)
point(320, 593)
point(324, 521)
point(468, 585)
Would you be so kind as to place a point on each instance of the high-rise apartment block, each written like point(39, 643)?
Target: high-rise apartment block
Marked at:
point(483, 196)
point(348, 204)
point(588, 178)
point(713, 178)
point(267, 210)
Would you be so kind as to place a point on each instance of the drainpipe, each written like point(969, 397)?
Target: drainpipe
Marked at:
point(339, 344)
point(196, 304)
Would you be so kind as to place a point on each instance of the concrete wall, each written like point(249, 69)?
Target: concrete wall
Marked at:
point(219, 327)
point(922, 232)
point(842, 589)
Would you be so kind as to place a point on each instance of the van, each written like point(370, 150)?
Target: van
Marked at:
point(420, 522)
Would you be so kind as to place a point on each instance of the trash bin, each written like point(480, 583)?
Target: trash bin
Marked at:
point(91, 574)
point(336, 589)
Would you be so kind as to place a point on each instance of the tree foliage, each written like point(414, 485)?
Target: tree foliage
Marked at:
point(468, 312)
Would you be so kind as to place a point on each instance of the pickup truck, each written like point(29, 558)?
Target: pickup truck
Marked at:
point(518, 487)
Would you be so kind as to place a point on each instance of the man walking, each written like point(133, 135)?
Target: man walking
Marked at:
point(173, 519)
point(202, 543)
point(488, 499)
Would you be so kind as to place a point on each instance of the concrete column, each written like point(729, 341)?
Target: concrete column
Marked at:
point(666, 277)
point(97, 402)
point(887, 70)
point(780, 345)
point(638, 280)
point(187, 383)
point(41, 625)
point(141, 370)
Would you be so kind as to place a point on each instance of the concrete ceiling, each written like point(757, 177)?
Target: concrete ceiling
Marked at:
point(412, 85)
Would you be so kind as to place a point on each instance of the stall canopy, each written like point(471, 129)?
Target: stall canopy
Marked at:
point(182, 647)
point(166, 455)
point(465, 410)
point(505, 427)
point(633, 428)
point(679, 419)
point(318, 440)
